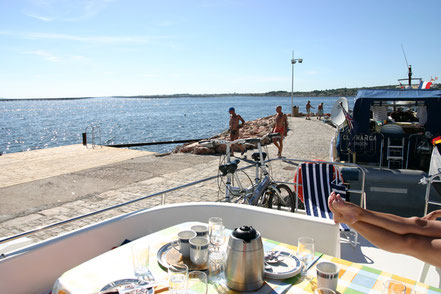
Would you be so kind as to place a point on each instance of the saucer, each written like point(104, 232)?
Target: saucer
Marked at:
point(288, 266)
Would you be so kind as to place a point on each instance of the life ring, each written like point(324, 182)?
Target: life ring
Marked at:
point(299, 184)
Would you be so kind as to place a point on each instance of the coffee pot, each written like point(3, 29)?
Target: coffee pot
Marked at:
point(244, 269)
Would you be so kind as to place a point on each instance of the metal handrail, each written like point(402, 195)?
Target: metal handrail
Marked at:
point(436, 178)
point(363, 173)
point(161, 193)
point(95, 130)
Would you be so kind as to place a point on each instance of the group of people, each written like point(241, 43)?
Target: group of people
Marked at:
point(280, 126)
point(319, 110)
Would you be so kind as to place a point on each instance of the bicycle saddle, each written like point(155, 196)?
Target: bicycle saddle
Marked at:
point(256, 156)
point(229, 167)
point(273, 135)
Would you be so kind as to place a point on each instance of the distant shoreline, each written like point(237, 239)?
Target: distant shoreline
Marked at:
point(312, 94)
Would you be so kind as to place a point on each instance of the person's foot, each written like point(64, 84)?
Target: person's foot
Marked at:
point(243, 152)
point(344, 212)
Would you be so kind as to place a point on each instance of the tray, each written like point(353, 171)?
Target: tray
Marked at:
point(168, 255)
point(289, 267)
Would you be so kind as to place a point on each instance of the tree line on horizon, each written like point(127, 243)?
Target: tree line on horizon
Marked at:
point(315, 93)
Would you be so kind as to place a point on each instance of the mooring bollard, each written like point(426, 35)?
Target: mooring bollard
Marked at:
point(84, 139)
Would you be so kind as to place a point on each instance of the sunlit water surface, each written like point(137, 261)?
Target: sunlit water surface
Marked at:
point(36, 124)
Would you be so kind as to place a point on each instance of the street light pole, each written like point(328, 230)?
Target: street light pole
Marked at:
point(293, 61)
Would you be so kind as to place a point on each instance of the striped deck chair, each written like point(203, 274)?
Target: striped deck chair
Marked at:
point(318, 181)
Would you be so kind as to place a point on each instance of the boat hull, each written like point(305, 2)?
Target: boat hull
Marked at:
point(392, 190)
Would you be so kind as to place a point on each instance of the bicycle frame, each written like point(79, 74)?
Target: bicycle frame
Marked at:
point(250, 195)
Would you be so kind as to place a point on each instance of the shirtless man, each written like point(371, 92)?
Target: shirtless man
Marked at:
point(235, 119)
point(419, 237)
point(281, 127)
point(308, 110)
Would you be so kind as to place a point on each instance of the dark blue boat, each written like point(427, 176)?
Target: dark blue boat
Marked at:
point(392, 137)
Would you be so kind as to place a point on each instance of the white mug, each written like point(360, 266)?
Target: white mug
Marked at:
point(183, 242)
point(201, 230)
point(199, 250)
point(327, 275)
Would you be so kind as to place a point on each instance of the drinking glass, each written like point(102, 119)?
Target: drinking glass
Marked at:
point(140, 259)
point(177, 278)
point(216, 266)
point(393, 287)
point(305, 251)
point(197, 283)
point(212, 221)
point(217, 236)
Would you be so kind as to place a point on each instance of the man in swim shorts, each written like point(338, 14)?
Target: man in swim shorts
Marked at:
point(281, 127)
point(308, 110)
point(235, 125)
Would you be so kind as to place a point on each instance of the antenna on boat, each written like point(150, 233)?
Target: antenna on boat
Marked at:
point(409, 67)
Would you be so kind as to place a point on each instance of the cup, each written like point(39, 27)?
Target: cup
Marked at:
point(201, 230)
point(216, 266)
point(197, 283)
point(393, 287)
point(327, 275)
point(140, 259)
point(183, 243)
point(199, 250)
point(177, 278)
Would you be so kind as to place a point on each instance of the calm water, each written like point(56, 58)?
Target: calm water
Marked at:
point(36, 124)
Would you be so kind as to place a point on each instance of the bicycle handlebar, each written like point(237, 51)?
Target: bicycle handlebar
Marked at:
point(247, 140)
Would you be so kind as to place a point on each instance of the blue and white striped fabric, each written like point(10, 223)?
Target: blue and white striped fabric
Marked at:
point(318, 182)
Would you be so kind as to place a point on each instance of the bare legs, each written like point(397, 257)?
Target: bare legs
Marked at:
point(418, 237)
point(279, 145)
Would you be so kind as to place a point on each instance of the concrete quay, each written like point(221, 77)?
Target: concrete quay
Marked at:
point(38, 188)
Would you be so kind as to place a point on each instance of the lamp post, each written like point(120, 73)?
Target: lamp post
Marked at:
point(293, 61)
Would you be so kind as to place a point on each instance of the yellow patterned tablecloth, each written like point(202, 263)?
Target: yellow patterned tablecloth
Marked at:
point(116, 264)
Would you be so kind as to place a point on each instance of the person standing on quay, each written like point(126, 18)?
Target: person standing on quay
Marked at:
point(320, 111)
point(235, 125)
point(308, 110)
point(281, 127)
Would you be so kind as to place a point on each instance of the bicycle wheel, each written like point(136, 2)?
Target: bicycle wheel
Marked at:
point(244, 180)
point(282, 198)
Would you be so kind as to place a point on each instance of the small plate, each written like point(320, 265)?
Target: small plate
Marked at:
point(167, 254)
point(289, 267)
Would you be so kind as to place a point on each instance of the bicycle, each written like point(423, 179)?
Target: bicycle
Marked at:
point(264, 191)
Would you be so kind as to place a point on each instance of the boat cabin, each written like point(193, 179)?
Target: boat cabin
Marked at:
point(392, 128)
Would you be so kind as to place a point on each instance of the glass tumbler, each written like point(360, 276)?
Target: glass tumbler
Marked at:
point(197, 283)
point(177, 278)
point(140, 259)
point(216, 266)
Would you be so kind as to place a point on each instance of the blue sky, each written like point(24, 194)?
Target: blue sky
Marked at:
point(69, 48)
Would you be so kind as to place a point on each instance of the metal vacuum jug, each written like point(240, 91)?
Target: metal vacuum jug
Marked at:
point(244, 268)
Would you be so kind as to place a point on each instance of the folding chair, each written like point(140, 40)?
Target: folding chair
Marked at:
point(318, 181)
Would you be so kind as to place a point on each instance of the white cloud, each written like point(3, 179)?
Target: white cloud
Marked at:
point(85, 39)
point(43, 18)
point(65, 10)
point(46, 55)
